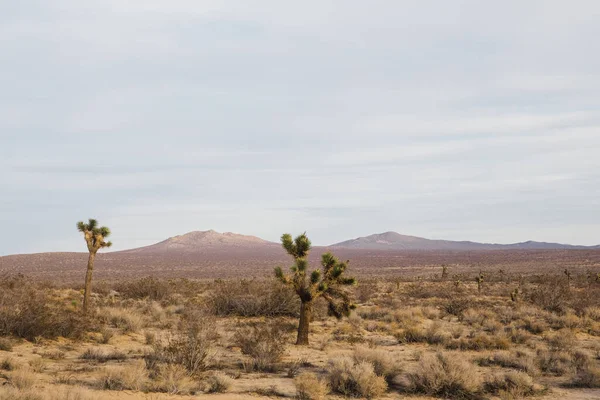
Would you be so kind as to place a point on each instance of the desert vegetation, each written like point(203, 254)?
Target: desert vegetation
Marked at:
point(411, 337)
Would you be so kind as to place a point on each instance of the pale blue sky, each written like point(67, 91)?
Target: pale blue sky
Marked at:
point(443, 119)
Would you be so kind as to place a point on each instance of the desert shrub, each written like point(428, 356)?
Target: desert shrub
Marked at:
point(5, 344)
point(125, 319)
point(512, 384)
point(172, 379)
point(592, 313)
point(587, 376)
point(561, 340)
point(535, 326)
point(218, 382)
point(37, 365)
point(552, 295)
point(130, 377)
point(192, 346)
point(8, 364)
point(22, 379)
point(264, 343)
point(101, 355)
point(445, 375)
point(355, 379)
point(28, 313)
point(456, 306)
point(384, 363)
point(253, 299)
point(517, 360)
point(554, 362)
point(310, 387)
point(478, 342)
point(106, 335)
point(146, 288)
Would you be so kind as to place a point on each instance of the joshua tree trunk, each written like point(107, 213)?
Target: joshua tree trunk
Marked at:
point(305, 316)
point(88, 282)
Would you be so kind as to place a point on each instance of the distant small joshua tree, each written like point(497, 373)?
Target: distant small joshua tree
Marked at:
point(479, 281)
point(514, 295)
point(457, 283)
point(330, 284)
point(444, 272)
point(94, 237)
point(568, 274)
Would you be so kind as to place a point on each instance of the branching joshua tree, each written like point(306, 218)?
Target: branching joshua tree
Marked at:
point(568, 275)
point(479, 279)
point(94, 237)
point(330, 284)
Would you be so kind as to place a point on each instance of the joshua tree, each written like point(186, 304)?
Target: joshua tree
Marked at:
point(329, 284)
point(94, 237)
point(568, 274)
point(514, 295)
point(444, 272)
point(479, 280)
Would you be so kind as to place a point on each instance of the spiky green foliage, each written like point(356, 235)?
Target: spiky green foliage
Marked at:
point(94, 235)
point(330, 283)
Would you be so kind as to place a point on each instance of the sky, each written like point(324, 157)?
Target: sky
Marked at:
point(459, 120)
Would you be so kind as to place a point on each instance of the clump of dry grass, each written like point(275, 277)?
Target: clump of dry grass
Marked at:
point(384, 363)
point(22, 379)
point(126, 319)
point(8, 364)
point(355, 379)
point(218, 382)
point(587, 376)
point(516, 359)
point(172, 379)
point(5, 344)
point(554, 362)
point(130, 377)
point(478, 342)
point(445, 375)
point(101, 355)
point(511, 385)
point(310, 387)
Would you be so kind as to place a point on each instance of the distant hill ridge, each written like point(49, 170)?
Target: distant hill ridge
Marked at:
point(396, 241)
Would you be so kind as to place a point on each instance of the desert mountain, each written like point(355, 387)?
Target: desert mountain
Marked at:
point(203, 241)
point(396, 241)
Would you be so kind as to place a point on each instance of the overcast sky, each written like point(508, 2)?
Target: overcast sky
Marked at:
point(461, 120)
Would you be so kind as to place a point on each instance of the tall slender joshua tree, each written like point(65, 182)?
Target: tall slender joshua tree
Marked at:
point(94, 237)
point(331, 284)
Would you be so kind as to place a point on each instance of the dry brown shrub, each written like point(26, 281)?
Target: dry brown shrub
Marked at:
point(192, 346)
point(554, 362)
point(130, 377)
point(30, 312)
point(516, 359)
point(264, 343)
point(147, 288)
point(355, 379)
point(478, 342)
point(511, 385)
point(125, 319)
point(562, 340)
point(587, 376)
point(22, 379)
point(445, 375)
point(253, 299)
point(385, 364)
point(102, 355)
point(172, 379)
point(218, 382)
point(310, 387)
point(5, 344)
point(8, 364)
